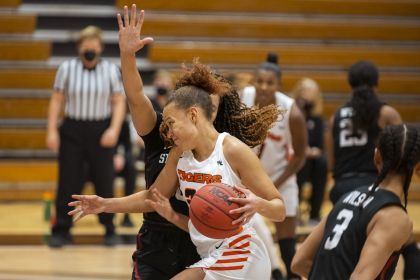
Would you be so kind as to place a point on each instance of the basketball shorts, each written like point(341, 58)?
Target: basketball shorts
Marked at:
point(162, 252)
point(242, 256)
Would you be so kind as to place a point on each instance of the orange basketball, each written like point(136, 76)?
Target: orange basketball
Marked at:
point(209, 211)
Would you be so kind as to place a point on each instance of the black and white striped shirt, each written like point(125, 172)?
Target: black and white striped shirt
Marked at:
point(88, 91)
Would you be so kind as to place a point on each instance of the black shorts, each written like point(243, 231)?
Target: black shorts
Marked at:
point(350, 183)
point(162, 252)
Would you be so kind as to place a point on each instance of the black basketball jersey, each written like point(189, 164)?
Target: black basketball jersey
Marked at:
point(155, 156)
point(353, 153)
point(345, 234)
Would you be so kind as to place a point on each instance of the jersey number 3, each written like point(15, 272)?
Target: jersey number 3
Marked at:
point(344, 217)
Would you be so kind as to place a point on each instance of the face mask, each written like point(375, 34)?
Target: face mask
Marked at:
point(162, 91)
point(307, 107)
point(89, 55)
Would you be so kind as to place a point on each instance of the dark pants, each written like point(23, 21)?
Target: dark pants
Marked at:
point(315, 172)
point(162, 252)
point(349, 183)
point(128, 173)
point(80, 145)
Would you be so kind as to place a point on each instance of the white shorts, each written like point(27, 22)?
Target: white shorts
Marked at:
point(290, 192)
point(242, 256)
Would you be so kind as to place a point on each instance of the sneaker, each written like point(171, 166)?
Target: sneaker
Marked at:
point(276, 274)
point(59, 240)
point(126, 221)
point(112, 240)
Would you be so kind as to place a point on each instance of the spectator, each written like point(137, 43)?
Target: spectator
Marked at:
point(309, 99)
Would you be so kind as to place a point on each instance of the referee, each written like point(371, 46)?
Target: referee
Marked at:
point(91, 91)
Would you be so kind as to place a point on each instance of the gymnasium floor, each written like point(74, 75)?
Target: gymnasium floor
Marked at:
point(22, 223)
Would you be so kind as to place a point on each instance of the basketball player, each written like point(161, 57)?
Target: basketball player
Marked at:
point(188, 116)
point(283, 152)
point(362, 236)
point(355, 128)
point(152, 259)
point(163, 250)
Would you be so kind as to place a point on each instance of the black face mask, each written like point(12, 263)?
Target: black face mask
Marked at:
point(307, 107)
point(89, 55)
point(162, 91)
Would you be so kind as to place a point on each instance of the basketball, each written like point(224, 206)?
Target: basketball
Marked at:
point(209, 211)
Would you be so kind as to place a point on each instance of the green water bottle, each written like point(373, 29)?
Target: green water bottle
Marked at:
point(47, 198)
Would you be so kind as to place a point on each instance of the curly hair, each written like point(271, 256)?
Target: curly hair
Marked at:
point(250, 125)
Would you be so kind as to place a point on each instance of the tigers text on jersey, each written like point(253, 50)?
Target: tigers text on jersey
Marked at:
point(242, 256)
point(345, 234)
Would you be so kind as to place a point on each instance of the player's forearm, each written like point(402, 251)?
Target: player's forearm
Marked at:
point(141, 109)
point(118, 113)
point(272, 209)
point(54, 110)
point(133, 84)
point(294, 165)
point(179, 220)
point(302, 267)
point(134, 203)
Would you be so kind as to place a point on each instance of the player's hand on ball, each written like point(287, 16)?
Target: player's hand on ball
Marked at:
point(249, 202)
point(160, 204)
point(85, 205)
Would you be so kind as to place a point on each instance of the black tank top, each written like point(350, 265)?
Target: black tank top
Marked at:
point(353, 154)
point(155, 156)
point(345, 234)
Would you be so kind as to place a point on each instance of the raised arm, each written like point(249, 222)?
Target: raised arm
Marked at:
point(387, 232)
point(141, 109)
point(267, 200)
point(299, 142)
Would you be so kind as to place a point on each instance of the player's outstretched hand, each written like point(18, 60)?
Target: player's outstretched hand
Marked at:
point(130, 31)
point(249, 202)
point(85, 205)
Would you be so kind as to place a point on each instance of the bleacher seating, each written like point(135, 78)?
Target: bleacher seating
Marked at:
point(313, 38)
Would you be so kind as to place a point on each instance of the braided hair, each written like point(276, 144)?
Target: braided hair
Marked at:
point(399, 146)
point(194, 87)
point(363, 77)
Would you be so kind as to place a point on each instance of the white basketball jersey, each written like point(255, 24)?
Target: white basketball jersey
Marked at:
point(277, 148)
point(193, 174)
point(242, 256)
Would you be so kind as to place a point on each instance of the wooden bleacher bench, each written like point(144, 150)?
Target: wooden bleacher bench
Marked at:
point(24, 50)
point(278, 28)
point(355, 7)
point(10, 3)
point(37, 108)
point(12, 24)
point(252, 53)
